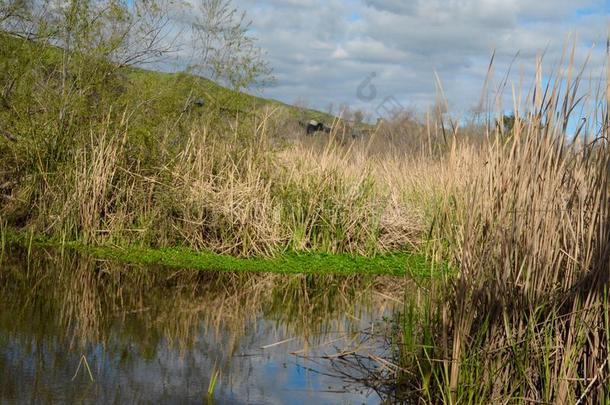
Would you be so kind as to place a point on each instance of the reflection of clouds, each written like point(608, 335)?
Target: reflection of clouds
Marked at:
point(269, 376)
point(155, 335)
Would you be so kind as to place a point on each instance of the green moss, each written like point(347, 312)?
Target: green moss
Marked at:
point(396, 264)
point(391, 264)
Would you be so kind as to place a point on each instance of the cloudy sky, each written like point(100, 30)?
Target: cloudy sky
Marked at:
point(322, 51)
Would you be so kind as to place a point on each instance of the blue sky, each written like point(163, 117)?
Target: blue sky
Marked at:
point(323, 50)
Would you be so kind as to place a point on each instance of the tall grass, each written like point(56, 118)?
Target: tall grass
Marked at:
point(123, 159)
point(231, 190)
point(523, 214)
point(526, 319)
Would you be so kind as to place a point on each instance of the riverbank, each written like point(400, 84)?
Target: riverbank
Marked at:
point(394, 264)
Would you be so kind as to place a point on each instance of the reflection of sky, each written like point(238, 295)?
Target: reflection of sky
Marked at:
point(258, 376)
point(38, 359)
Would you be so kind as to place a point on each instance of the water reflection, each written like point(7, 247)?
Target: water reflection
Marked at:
point(157, 335)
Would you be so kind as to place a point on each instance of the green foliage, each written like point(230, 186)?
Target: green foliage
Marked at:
point(331, 213)
point(68, 74)
point(96, 149)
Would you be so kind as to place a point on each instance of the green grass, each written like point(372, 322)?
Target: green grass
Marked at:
point(183, 85)
point(394, 264)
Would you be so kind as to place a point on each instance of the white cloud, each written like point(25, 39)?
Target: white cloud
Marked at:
point(322, 50)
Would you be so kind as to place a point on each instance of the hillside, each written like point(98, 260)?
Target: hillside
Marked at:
point(30, 69)
point(192, 87)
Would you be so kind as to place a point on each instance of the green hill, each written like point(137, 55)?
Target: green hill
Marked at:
point(31, 74)
point(189, 87)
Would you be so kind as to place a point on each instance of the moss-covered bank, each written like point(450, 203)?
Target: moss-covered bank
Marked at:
point(396, 264)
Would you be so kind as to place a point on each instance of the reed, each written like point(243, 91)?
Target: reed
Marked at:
point(525, 321)
point(235, 193)
point(521, 211)
point(212, 384)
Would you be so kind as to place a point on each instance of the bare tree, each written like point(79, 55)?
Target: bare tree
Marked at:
point(223, 49)
point(150, 33)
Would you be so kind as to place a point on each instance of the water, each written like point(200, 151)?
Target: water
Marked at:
point(153, 335)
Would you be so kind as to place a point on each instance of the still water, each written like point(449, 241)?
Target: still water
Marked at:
point(78, 330)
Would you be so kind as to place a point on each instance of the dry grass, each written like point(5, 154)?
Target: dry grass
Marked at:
point(522, 213)
point(526, 320)
point(235, 190)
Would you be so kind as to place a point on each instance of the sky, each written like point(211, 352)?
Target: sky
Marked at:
point(373, 54)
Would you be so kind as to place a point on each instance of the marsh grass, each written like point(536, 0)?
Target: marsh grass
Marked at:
point(129, 165)
point(232, 193)
point(525, 221)
point(523, 214)
point(525, 321)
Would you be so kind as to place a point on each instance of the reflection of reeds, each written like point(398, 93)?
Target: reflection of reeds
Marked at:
point(2, 239)
point(82, 298)
point(83, 362)
point(212, 384)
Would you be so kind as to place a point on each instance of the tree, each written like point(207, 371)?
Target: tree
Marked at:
point(13, 13)
point(62, 65)
point(223, 50)
point(358, 116)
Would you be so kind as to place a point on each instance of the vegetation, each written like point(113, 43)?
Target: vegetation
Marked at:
point(96, 151)
point(526, 320)
point(525, 317)
point(396, 264)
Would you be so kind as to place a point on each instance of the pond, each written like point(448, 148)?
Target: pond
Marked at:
point(78, 330)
